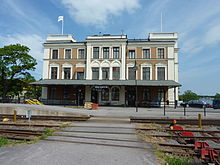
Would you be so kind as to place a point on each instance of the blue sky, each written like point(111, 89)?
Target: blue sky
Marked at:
point(197, 21)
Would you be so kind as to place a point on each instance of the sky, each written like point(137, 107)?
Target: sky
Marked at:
point(197, 22)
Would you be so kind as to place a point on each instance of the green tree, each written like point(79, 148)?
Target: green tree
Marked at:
point(15, 62)
point(217, 96)
point(189, 95)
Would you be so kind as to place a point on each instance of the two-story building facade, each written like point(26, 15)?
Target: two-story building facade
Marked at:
point(109, 69)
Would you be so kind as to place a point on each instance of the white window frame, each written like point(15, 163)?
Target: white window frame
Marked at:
point(84, 53)
point(131, 65)
point(146, 65)
point(161, 65)
point(143, 52)
point(51, 56)
point(58, 69)
point(164, 52)
point(67, 65)
point(65, 53)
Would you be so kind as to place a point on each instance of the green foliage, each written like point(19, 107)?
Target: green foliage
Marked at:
point(177, 160)
point(217, 96)
point(15, 62)
point(189, 95)
point(3, 141)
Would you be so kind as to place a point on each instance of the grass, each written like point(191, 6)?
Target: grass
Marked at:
point(4, 141)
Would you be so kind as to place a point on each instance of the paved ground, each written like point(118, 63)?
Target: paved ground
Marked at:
point(67, 153)
point(122, 111)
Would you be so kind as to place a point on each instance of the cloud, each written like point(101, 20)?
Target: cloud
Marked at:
point(97, 12)
point(33, 41)
point(213, 35)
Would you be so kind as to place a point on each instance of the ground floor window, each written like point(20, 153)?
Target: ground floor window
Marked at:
point(105, 94)
point(160, 94)
point(53, 93)
point(146, 94)
point(65, 93)
point(115, 94)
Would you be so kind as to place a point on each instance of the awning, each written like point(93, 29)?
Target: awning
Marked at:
point(79, 69)
point(163, 83)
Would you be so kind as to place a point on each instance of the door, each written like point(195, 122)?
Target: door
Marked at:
point(94, 96)
point(130, 99)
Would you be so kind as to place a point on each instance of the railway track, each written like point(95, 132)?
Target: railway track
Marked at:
point(180, 121)
point(40, 117)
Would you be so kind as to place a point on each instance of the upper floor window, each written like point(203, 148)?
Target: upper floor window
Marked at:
point(81, 53)
point(146, 73)
point(95, 73)
point(106, 52)
point(105, 73)
point(67, 53)
point(115, 94)
point(160, 73)
point(116, 73)
point(161, 53)
point(116, 52)
point(131, 73)
point(96, 52)
point(79, 75)
point(146, 53)
point(54, 72)
point(67, 73)
point(55, 54)
point(131, 54)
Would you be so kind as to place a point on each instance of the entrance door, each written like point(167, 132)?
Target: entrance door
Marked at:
point(94, 96)
point(130, 99)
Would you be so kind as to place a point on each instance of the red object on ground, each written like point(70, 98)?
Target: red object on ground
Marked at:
point(175, 127)
point(95, 106)
point(200, 145)
point(209, 153)
point(185, 133)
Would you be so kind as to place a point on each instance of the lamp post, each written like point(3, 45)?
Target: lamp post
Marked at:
point(136, 98)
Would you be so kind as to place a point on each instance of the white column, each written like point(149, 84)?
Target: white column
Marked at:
point(88, 62)
point(123, 62)
point(110, 72)
point(100, 73)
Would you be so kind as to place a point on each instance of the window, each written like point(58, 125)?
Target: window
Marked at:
point(105, 73)
point(67, 73)
point(131, 73)
point(146, 94)
point(105, 52)
point(160, 73)
point(116, 52)
point(95, 73)
point(146, 53)
point(53, 93)
point(81, 53)
point(96, 52)
point(146, 73)
point(80, 75)
point(160, 52)
point(67, 53)
point(54, 72)
point(160, 94)
point(116, 73)
point(115, 94)
point(105, 94)
point(55, 54)
point(65, 93)
point(131, 54)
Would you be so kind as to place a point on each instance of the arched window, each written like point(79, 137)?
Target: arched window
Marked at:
point(105, 94)
point(115, 94)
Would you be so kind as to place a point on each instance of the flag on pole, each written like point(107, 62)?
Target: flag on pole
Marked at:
point(60, 18)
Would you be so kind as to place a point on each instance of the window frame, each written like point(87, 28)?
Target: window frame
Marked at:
point(143, 54)
point(97, 51)
point(159, 74)
point(65, 74)
point(70, 53)
point(116, 72)
point(107, 71)
point(105, 94)
point(133, 55)
point(80, 55)
point(97, 70)
point(159, 55)
point(51, 72)
point(115, 95)
point(52, 55)
point(105, 52)
point(143, 75)
point(117, 56)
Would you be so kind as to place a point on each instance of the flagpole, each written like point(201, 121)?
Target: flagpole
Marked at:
point(62, 26)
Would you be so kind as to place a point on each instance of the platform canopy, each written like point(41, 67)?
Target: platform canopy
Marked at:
point(163, 83)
